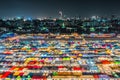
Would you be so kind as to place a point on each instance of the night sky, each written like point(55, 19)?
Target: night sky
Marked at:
point(50, 8)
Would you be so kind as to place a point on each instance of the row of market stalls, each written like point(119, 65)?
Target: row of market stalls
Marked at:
point(41, 59)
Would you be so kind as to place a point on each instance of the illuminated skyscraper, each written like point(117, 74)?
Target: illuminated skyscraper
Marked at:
point(61, 15)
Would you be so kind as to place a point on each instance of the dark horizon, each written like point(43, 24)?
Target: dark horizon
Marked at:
point(51, 8)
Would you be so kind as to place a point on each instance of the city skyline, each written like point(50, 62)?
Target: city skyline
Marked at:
point(51, 8)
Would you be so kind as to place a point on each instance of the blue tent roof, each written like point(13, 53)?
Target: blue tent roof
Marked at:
point(8, 35)
point(4, 36)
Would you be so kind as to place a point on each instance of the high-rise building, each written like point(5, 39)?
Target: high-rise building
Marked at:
point(61, 15)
